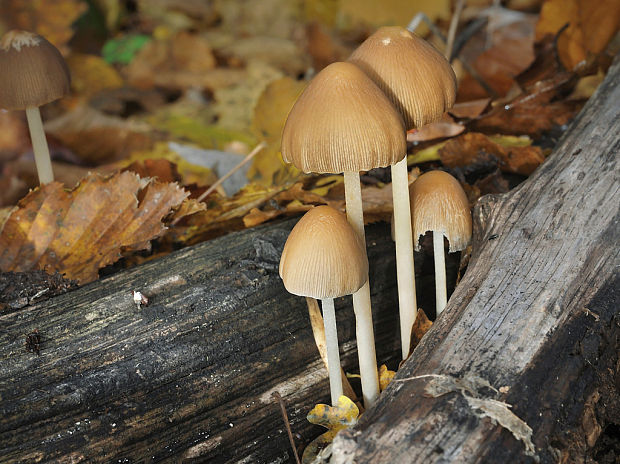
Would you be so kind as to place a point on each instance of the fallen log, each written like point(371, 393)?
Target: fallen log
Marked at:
point(188, 377)
point(534, 324)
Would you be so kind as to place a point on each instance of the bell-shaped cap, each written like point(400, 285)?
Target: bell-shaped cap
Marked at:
point(343, 122)
point(418, 80)
point(438, 203)
point(32, 71)
point(323, 257)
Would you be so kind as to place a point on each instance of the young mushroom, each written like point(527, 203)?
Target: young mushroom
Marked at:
point(324, 258)
point(32, 73)
point(439, 204)
point(420, 83)
point(342, 122)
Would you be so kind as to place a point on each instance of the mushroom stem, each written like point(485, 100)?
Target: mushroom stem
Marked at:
point(39, 145)
point(441, 296)
point(333, 355)
point(403, 236)
point(361, 299)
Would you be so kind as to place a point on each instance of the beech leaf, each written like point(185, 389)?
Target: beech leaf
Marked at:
point(78, 232)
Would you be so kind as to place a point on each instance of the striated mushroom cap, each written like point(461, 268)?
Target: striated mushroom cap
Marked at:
point(417, 79)
point(32, 71)
point(323, 257)
point(343, 122)
point(438, 203)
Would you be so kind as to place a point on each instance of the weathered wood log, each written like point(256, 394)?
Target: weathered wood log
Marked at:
point(187, 377)
point(536, 317)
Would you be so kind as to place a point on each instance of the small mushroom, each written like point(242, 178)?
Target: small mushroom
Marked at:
point(33, 73)
point(342, 122)
point(439, 204)
point(420, 83)
point(324, 258)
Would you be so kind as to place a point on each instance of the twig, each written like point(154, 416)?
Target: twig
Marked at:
point(453, 26)
point(245, 160)
point(277, 397)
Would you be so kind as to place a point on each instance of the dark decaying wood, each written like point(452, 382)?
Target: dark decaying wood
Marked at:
point(536, 316)
point(190, 376)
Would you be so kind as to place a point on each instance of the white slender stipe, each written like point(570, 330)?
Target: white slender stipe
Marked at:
point(361, 299)
point(441, 293)
point(39, 145)
point(333, 355)
point(403, 236)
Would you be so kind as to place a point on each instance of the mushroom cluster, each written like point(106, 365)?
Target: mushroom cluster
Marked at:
point(32, 73)
point(353, 117)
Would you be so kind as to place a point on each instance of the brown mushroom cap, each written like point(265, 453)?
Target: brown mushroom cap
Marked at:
point(416, 78)
point(32, 71)
point(438, 203)
point(343, 122)
point(323, 257)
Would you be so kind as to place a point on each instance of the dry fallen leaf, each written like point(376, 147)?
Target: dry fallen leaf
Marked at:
point(335, 418)
point(270, 114)
point(589, 27)
point(179, 62)
point(91, 74)
point(510, 154)
point(435, 130)
point(421, 325)
point(53, 19)
point(77, 232)
point(385, 376)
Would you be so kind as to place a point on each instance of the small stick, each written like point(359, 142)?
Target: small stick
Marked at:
point(452, 30)
point(276, 396)
point(245, 160)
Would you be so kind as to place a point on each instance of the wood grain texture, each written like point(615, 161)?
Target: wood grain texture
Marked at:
point(188, 377)
point(536, 313)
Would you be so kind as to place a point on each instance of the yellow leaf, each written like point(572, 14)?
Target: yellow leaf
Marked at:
point(91, 74)
point(338, 417)
point(427, 154)
point(270, 113)
point(385, 376)
point(324, 184)
point(356, 14)
point(334, 418)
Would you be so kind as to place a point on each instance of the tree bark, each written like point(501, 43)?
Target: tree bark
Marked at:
point(189, 377)
point(534, 323)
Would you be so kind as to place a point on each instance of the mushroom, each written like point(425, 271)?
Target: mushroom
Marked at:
point(33, 73)
point(439, 204)
point(324, 258)
point(420, 83)
point(342, 122)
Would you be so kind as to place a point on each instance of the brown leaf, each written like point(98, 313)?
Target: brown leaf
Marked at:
point(474, 148)
point(435, 130)
point(53, 19)
point(591, 25)
point(507, 49)
point(421, 325)
point(178, 63)
point(162, 169)
point(469, 109)
point(78, 232)
point(14, 137)
point(98, 138)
